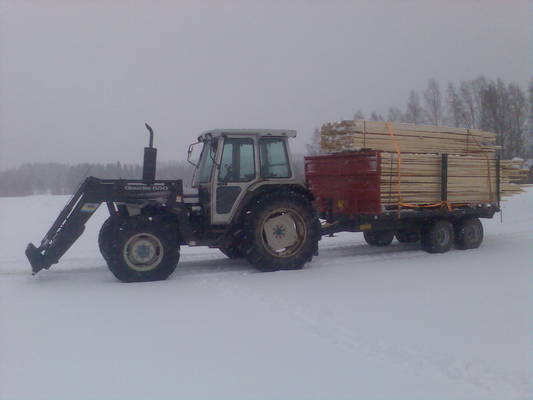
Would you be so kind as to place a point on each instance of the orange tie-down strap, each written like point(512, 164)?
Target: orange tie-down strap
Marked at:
point(401, 204)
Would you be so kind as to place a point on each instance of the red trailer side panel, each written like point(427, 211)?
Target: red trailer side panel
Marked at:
point(349, 182)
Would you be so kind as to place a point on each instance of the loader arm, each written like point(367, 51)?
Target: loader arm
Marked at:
point(70, 222)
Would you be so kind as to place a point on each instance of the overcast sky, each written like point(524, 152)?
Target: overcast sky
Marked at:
point(78, 79)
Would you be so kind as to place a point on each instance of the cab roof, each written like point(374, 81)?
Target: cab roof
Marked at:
point(248, 132)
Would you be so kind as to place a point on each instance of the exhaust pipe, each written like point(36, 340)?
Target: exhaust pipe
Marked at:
point(150, 158)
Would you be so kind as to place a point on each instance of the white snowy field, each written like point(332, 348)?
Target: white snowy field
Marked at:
point(356, 323)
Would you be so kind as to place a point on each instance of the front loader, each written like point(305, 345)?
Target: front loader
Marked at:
point(245, 201)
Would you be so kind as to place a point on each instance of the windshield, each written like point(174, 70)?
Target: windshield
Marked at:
point(206, 161)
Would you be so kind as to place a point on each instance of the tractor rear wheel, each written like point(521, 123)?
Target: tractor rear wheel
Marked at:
point(281, 232)
point(142, 251)
point(378, 238)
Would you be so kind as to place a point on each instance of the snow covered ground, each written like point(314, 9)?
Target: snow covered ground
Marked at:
point(357, 323)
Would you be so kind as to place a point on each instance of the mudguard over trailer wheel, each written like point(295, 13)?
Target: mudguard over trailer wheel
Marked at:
point(378, 238)
point(468, 233)
point(437, 236)
point(143, 251)
point(281, 232)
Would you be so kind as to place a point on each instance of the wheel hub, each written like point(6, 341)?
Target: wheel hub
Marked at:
point(442, 236)
point(143, 252)
point(280, 232)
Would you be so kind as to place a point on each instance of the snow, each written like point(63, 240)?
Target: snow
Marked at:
point(358, 322)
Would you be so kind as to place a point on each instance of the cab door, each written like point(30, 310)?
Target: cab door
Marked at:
point(236, 171)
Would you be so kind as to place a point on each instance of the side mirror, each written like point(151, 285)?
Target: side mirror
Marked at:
point(189, 154)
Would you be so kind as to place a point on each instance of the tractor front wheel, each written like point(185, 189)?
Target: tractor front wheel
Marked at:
point(142, 251)
point(105, 237)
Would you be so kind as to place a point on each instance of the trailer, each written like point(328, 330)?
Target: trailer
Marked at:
point(346, 190)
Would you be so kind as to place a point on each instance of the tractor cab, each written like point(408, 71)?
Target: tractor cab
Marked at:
point(235, 162)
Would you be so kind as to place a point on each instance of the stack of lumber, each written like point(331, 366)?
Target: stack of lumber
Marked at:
point(411, 161)
point(471, 179)
point(411, 138)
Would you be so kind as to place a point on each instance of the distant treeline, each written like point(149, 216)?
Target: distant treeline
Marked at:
point(54, 178)
point(491, 105)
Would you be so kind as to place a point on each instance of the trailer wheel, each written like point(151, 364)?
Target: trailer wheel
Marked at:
point(437, 236)
point(408, 235)
point(143, 251)
point(378, 238)
point(281, 232)
point(468, 233)
point(105, 237)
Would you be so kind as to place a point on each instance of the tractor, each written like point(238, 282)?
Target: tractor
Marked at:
point(245, 200)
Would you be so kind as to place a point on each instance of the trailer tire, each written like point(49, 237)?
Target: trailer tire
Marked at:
point(378, 238)
point(105, 237)
point(468, 233)
point(408, 235)
point(143, 251)
point(273, 222)
point(437, 236)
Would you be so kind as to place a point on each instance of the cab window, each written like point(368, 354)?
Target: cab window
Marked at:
point(274, 159)
point(237, 164)
point(206, 161)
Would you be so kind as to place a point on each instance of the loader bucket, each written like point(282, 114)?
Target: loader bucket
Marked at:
point(37, 260)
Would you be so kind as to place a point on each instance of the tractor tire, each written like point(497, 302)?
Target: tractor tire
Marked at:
point(233, 252)
point(281, 232)
point(468, 233)
point(143, 251)
point(408, 235)
point(378, 238)
point(105, 237)
point(437, 236)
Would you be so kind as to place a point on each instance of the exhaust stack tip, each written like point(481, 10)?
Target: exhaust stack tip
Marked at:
point(151, 134)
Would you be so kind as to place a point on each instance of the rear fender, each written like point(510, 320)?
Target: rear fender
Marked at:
point(262, 188)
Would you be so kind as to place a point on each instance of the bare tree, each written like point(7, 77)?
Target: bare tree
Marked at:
point(395, 115)
point(471, 110)
point(455, 106)
point(313, 148)
point(376, 117)
point(414, 112)
point(516, 121)
point(358, 115)
point(471, 95)
point(433, 102)
point(529, 137)
point(494, 103)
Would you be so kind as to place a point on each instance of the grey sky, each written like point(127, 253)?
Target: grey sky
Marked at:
point(79, 78)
